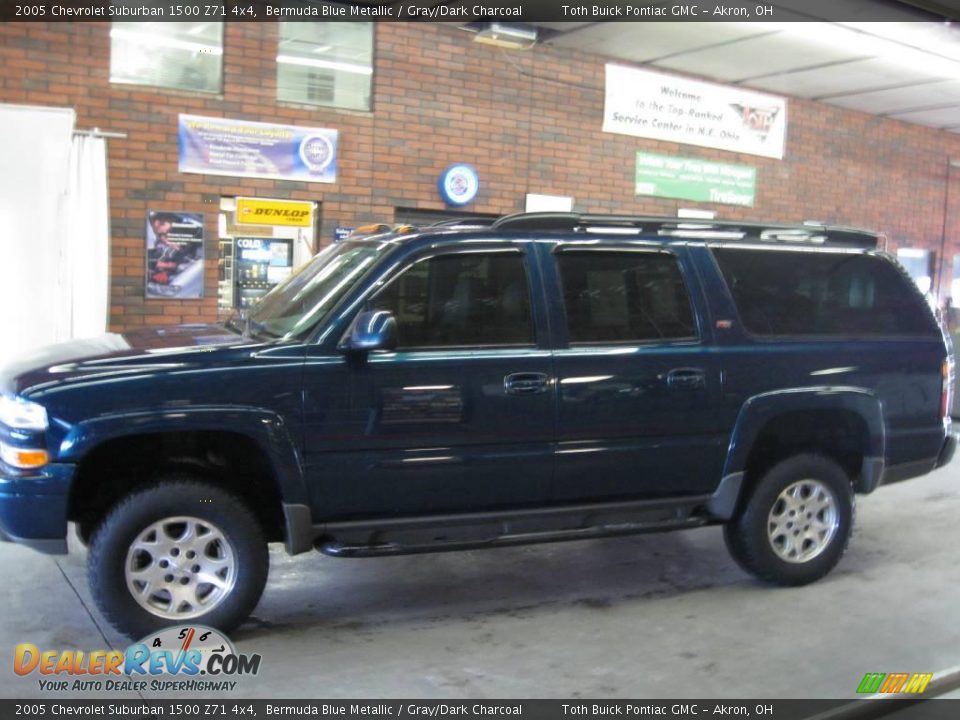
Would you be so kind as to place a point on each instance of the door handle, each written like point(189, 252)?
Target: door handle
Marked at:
point(686, 378)
point(525, 383)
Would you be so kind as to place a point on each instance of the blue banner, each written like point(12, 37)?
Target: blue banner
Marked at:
point(219, 146)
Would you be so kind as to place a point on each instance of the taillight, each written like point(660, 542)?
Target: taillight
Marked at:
point(946, 388)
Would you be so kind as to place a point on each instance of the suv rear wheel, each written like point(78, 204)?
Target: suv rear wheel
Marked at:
point(796, 523)
point(175, 552)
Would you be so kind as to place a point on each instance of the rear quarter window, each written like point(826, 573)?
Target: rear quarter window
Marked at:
point(782, 292)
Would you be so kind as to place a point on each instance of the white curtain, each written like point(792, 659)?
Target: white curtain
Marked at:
point(54, 237)
point(85, 252)
point(34, 157)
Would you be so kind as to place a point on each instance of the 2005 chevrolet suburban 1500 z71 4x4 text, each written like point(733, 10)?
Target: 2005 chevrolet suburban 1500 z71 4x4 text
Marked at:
point(544, 377)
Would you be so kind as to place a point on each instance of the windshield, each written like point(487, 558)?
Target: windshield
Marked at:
point(298, 303)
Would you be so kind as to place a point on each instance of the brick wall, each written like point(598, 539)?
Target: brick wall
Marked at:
point(529, 122)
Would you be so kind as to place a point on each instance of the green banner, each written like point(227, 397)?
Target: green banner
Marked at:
point(692, 179)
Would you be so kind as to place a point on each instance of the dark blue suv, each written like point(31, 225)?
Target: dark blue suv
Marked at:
point(545, 377)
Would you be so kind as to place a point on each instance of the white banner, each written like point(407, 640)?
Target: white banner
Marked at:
point(665, 107)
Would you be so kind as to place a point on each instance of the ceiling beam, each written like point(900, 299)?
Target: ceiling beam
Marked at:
point(711, 46)
point(805, 68)
point(876, 89)
point(927, 108)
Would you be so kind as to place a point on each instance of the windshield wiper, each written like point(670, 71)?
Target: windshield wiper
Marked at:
point(232, 324)
point(254, 329)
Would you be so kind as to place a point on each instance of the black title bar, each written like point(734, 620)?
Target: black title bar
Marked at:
point(506, 11)
point(216, 708)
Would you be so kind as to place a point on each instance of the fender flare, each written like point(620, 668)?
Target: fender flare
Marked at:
point(267, 429)
point(760, 409)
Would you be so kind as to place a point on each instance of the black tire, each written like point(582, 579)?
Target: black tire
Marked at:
point(748, 535)
point(177, 496)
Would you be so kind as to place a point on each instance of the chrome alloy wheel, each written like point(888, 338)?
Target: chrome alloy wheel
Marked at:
point(180, 567)
point(803, 521)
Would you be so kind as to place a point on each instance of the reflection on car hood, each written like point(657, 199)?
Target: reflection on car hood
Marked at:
point(112, 351)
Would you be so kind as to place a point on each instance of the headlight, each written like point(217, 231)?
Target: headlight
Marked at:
point(22, 414)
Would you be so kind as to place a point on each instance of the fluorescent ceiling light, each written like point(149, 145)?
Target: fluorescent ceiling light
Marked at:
point(160, 40)
point(328, 64)
point(507, 36)
point(612, 230)
point(585, 379)
point(705, 234)
point(696, 213)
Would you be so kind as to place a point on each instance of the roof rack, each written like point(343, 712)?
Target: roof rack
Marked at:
point(372, 229)
point(465, 222)
point(689, 228)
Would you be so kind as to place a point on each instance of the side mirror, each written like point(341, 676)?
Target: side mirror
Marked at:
point(372, 330)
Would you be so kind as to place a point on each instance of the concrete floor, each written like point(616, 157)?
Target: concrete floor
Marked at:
point(650, 616)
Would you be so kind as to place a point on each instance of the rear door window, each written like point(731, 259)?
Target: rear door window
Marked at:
point(782, 292)
point(624, 296)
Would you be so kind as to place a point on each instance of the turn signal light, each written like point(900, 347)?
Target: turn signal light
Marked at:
point(23, 458)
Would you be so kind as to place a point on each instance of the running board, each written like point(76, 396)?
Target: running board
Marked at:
point(335, 549)
point(400, 536)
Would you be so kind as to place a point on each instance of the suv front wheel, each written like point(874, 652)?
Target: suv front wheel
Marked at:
point(180, 551)
point(795, 525)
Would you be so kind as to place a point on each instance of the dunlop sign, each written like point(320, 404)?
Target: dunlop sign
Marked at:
point(292, 213)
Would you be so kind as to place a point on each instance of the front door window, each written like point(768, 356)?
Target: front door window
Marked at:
point(461, 300)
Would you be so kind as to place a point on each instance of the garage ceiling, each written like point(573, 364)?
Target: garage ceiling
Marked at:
point(909, 71)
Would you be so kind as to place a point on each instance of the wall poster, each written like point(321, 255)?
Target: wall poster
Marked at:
point(174, 255)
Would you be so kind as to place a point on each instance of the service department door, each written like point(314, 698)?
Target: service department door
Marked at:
point(638, 390)
point(460, 418)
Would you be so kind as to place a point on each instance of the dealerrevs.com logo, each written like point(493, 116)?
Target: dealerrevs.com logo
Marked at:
point(894, 683)
point(182, 659)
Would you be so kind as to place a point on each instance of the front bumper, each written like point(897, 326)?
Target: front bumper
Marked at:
point(33, 508)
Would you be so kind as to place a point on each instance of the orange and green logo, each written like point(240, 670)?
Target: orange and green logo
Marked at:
point(894, 683)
